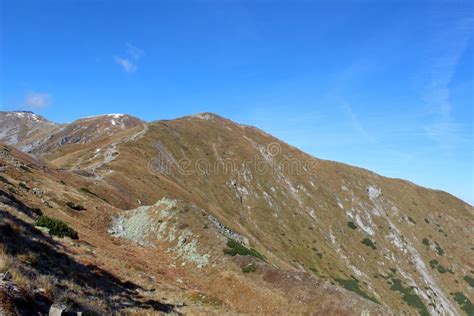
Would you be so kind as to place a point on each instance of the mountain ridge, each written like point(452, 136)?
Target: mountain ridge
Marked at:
point(207, 116)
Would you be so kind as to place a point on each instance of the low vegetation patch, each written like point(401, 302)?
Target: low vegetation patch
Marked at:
point(4, 180)
point(236, 248)
point(369, 243)
point(249, 268)
point(76, 207)
point(412, 220)
point(24, 186)
point(469, 280)
point(314, 270)
point(25, 168)
point(56, 227)
point(439, 250)
point(426, 242)
point(436, 265)
point(351, 225)
point(409, 296)
point(86, 190)
point(202, 298)
point(353, 285)
point(464, 303)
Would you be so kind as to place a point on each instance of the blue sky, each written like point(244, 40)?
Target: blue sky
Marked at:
point(385, 85)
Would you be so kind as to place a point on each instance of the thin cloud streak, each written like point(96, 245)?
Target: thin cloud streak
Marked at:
point(357, 125)
point(126, 64)
point(37, 101)
point(129, 63)
point(452, 43)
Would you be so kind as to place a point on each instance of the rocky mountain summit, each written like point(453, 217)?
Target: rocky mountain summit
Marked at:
point(204, 215)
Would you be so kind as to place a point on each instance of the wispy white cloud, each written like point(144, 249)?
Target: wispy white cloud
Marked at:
point(134, 52)
point(442, 60)
point(126, 64)
point(36, 101)
point(356, 123)
point(129, 62)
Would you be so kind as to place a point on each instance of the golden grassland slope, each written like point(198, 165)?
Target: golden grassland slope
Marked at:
point(386, 239)
point(100, 273)
point(389, 241)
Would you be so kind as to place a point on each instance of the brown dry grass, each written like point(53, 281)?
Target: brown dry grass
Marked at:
point(46, 285)
point(293, 240)
point(5, 260)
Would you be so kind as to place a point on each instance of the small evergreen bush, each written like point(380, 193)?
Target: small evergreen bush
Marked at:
point(56, 227)
point(75, 206)
point(235, 248)
point(369, 243)
point(351, 225)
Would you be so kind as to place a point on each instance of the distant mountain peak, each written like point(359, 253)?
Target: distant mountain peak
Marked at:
point(205, 116)
point(20, 114)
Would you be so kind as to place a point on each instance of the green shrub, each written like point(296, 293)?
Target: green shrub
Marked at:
point(369, 243)
point(433, 263)
point(75, 206)
point(56, 227)
point(235, 248)
point(426, 242)
point(439, 250)
point(464, 302)
point(410, 297)
point(25, 168)
point(351, 225)
point(3, 179)
point(24, 186)
point(249, 268)
point(469, 280)
point(353, 285)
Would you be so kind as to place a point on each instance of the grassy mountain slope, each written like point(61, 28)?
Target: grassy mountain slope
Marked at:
point(191, 183)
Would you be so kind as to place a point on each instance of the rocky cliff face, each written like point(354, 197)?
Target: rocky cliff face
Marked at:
point(187, 186)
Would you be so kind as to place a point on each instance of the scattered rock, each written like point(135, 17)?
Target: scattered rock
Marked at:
point(57, 309)
point(37, 192)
